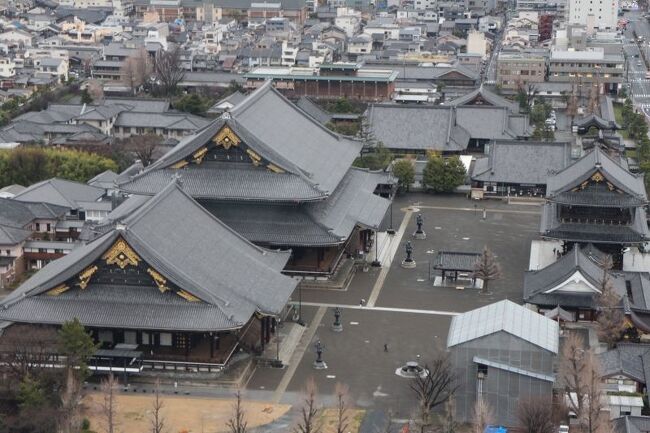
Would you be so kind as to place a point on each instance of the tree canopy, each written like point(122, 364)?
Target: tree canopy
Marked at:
point(443, 174)
point(26, 166)
point(377, 158)
point(404, 171)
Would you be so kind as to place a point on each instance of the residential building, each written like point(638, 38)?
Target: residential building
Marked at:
point(515, 70)
point(359, 46)
point(588, 66)
point(7, 68)
point(17, 38)
point(57, 68)
point(501, 354)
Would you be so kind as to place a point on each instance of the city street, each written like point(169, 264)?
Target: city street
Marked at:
point(639, 86)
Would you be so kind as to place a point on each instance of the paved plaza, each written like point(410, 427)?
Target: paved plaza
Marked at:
point(403, 310)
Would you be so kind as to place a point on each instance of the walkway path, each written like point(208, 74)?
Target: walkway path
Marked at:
point(385, 266)
point(305, 342)
point(388, 309)
point(480, 209)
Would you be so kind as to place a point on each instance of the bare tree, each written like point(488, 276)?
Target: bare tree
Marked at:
point(95, 90)
point(536, 416)
point(136, 69)
point(482, 416)
point(572, 103)
point(108, 404)
point(157, 419)
point(448, 421)
point(433, 388)
point(168, 69)
point(572, 373)
point(580, 374)
point(26, 350)
point(487, 268)
point(142, 146)
point(342, 393)
point(238, 423)
point(309, 413)
point(611, 317)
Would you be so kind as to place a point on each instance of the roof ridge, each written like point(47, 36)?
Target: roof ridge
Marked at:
point(141, 211)
point(268, 87)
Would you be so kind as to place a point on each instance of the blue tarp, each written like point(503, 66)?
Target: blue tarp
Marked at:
point(495, 429)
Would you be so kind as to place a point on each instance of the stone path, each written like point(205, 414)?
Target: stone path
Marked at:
point(305, 343)
point(385, 265)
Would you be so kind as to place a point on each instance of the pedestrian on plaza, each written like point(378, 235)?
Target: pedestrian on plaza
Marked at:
point(385, 347)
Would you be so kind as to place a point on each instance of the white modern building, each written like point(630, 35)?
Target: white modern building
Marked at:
point(595, 14)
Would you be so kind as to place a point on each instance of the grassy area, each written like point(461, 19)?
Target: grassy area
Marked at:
point(329, 418)
point(618, 114)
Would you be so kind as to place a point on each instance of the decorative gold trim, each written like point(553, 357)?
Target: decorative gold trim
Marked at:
point(274, 168)
point(160, 281)
point(121, 254)
point(597, 177)
point(188, 296)
point(85, 275)
point(180, 164)
point(226, 138)
point(254, 156)
point(58, 290)
point(199, 155)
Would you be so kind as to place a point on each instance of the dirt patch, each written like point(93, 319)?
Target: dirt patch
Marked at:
point(182, 414)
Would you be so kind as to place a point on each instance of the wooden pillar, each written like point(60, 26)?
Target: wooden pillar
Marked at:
point(187, 345)
point(329, 87)
point(211, 345)
point(262, 330)
point(375, 89)
point(268, 329)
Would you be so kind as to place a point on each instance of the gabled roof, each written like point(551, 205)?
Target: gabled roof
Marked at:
point(16, 213)
point(593, 162)
point(631, 360)
point(13, 235)
point(184, 243)
point(595, 121)
point(60, 192)
point(505, 316)
point(105, 179)
point(537, 284)
point(487, 97)
point(313, 160)
point(290, 132)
